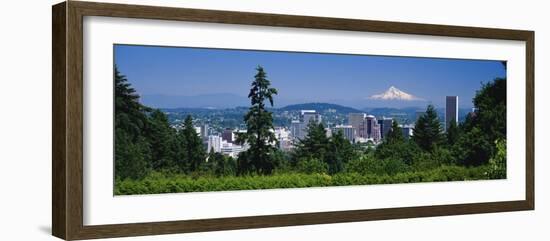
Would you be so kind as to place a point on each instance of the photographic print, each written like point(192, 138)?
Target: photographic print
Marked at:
point(202, 119)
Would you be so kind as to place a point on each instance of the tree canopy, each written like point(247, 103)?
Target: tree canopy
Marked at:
point(259, 128)
point(427, 132)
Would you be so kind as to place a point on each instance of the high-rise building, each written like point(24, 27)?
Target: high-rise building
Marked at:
point(295, 127)
point(298, 129)
point(214, 143)
point(228, 135)
point(230, 149)
point(309, 116)
point(385, 126)
point(372, 128)
point(204, 131)
point(356, 121)
point(347, 130)
point(451, 110)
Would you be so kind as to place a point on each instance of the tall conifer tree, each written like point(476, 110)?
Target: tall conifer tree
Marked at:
point(259, 122)
point(427, 130)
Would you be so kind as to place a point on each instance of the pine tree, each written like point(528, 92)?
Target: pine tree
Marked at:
point(131, 157)
point(194, 150)
point(132, 150)
point(340, 152)
point(395, 134)
point(259, 122)
point(315, 145)
point(129, 113)
point(452, 133)
point(427, 131)
point(163, 142)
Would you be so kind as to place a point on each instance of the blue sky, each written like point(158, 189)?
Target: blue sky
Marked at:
point(301, 77)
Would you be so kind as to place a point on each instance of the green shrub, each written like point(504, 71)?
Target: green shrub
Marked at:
point(157, 182)
point(311, 165)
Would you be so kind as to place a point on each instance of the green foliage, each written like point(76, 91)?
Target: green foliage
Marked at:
point(222, 165)
point(340, 152)
point(131, 157)
point(367, 164)
point(497, 164)
point(129, 113)
point(427, 130)
point(132, 151)
point(490, 103)
point(475, 144)
point(174, 183)
point(334, 151)
point(315, 144)
point(162, 139)
point(399, 150)
point(452, 133)
point(472, 148)
point(429, 160)
point(192, 144)
point(310, 166)
point(395, 134)
point(259, 123)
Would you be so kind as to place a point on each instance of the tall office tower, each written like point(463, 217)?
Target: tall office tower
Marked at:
point(308, 116)
point(356, 121)
point(451, 110)
point(385, 126)
point(204, 131)
point(214, 143)
point(372, 128)
point(228, 135)
point(347, 130)
point(295, 128)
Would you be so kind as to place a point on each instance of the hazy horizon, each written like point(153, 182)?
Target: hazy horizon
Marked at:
point(172, 77)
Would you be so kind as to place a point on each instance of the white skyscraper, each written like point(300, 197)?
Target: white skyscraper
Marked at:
point(214, 143)
point(451, 110)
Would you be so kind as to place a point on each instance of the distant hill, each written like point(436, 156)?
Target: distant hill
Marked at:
point(208, 101)
point(320, 107)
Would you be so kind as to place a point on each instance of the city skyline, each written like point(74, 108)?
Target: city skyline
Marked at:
point(168, 77)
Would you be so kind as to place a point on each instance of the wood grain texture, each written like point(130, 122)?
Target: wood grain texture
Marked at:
point(67, 150)
point(530, 120)
point(58, 121)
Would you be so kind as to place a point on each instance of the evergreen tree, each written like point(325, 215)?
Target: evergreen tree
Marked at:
point(452, 133)
point(129, 113)
point(478, 133)
point(132, 150)
point(340, 152)
point(490, 104)
point(427, 130)
point(194, 150)
point(259, 122)
point(315, 144)
point(131, 157)
point(163, 142)
point(221, 165)
point(395, 134)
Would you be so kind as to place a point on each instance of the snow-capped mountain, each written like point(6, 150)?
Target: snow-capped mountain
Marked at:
point(394, 94)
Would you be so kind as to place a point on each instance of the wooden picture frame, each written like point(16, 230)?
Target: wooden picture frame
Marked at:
point(67, 124)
